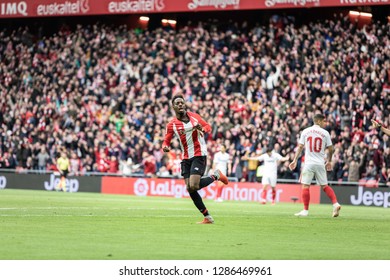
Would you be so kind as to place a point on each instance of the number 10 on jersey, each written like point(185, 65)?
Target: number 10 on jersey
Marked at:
point(315, 144)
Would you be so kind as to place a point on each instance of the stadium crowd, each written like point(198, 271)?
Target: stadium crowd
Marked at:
point(103, 93)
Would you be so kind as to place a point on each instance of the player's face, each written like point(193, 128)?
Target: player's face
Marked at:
point(179, 106)
point(323, 123)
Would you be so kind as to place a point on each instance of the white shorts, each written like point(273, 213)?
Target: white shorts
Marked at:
point(269, 180)
point(311, 170)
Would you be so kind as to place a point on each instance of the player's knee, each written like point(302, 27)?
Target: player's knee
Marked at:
point(192, 188)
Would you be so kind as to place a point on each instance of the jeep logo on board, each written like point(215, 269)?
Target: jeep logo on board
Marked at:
point(72, 185)
point(368, 198)
point(3, 182)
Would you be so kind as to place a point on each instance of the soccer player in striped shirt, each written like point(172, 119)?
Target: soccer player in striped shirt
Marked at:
point(189, 128)
point(316, 141)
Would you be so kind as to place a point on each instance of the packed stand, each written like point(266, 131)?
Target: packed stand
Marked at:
point(104, 94)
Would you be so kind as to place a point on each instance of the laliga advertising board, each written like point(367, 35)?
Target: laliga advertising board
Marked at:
point(176, 188)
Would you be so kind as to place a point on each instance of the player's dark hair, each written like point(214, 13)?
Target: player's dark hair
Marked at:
point(318, 117)
point(176, 97)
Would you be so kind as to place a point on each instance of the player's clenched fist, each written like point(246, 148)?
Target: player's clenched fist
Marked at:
point(166, 149)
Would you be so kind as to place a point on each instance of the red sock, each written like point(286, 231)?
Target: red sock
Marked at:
point(273, 194)
point(306, 198)
point(264, 194)
point(330, 193)
point(219, 191)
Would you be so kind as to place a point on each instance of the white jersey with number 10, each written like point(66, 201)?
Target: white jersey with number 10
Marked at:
point(316, 140)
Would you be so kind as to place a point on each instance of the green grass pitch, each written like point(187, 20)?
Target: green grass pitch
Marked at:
point(41, 225)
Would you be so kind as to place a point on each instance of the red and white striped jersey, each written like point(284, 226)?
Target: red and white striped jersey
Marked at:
point(191, 140)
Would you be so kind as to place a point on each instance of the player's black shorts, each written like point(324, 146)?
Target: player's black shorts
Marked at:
point(195, 165)
point(64, 173)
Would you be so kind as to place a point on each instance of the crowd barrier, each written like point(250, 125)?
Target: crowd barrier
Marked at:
point(175, 187)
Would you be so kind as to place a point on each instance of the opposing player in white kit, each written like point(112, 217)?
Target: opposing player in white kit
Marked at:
point(221, 162)
point(270, 171)
point(316, 141)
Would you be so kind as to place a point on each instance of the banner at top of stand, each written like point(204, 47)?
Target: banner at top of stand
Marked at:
point(44, 8)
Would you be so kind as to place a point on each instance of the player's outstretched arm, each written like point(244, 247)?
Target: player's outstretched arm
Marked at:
point(285, 158)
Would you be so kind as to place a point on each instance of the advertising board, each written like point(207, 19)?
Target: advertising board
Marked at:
point(44, 8)
point(49, 182)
